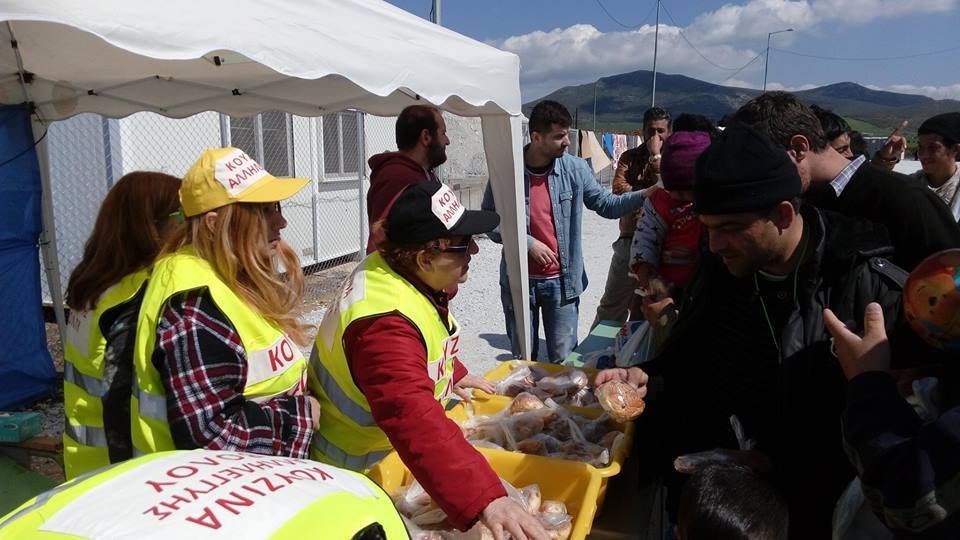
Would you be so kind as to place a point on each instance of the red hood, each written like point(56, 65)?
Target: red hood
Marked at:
point(398, 159)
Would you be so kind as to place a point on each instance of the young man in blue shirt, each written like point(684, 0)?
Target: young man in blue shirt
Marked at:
point(557, 187)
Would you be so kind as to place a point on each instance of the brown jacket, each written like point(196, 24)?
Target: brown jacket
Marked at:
point(634, 171)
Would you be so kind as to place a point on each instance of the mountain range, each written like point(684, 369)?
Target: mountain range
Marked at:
point(622, 99)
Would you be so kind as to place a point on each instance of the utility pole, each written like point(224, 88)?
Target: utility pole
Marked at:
point(436, 13)
point(595, 83)
point(766, 59)
point(656, 42)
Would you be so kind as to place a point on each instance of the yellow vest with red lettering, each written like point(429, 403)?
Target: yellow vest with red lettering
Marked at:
point(275, 365)
point(84, 390)
point(348, 436)
point(210, 494)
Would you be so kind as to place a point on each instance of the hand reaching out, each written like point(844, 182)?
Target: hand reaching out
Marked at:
point(634, 376)
point(463, 386)
point(504, 515)
point(860, 354)
point(895, 145)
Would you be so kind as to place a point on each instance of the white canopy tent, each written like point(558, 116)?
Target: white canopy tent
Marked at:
point(241, 57)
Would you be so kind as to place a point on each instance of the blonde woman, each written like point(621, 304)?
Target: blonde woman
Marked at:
point(217, 362)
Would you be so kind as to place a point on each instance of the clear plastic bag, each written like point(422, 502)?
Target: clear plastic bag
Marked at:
point(558, 525)
point(566, 382)
point(413, 500)
point(525, 401)
point(519, 380)
point(637, 348)
point(549, 430)
point(583, 398)
point(595, 430)
point(621, 400)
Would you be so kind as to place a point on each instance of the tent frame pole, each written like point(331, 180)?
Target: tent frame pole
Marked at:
point(48, 237)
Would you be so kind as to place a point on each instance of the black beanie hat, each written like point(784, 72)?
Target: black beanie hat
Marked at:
point(946, 125)
point(742, 171)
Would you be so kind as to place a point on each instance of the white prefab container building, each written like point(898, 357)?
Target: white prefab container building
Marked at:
point(88, 153)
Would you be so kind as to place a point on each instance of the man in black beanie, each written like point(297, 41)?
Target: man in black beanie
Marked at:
point(918, 222)
point(750, 339)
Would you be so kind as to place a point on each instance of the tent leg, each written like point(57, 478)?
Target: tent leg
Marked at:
point(503, 145)
point(361, 176)
point(48, 237)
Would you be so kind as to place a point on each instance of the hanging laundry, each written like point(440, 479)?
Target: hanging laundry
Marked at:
point(591, 150)
point(608, 143)
point(619, 145)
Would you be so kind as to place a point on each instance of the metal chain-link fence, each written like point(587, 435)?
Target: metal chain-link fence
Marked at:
point(326, 221)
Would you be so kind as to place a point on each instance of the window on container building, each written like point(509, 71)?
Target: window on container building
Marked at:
point(340, 143)
point(276, 134)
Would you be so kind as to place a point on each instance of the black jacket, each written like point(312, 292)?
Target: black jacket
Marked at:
point(721, 359)
point(909, 468)
point(918, 222)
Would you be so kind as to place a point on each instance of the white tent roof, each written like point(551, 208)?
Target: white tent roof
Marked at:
point(241, 57)
point(180, 57)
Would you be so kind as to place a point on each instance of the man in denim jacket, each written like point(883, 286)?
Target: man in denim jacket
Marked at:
point(557, 186)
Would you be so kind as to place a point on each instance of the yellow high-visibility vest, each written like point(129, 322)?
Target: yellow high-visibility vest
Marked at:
point(85, 445)
point(348, 436)
point(275, 365)
point(209, 494)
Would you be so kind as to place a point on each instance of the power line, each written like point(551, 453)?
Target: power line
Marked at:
point(696, 50)
point(868, 58)
point(743, 67)
point(627, 26)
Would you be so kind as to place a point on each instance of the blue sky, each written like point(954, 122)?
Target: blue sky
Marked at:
point(564, 42)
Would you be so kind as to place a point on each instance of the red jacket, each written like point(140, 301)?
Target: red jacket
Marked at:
point(386, 355)
point(390, 174)
point(681, 241)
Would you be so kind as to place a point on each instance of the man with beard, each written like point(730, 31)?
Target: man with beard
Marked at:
point(557, 186)
point(750, 338)
point(422, 140)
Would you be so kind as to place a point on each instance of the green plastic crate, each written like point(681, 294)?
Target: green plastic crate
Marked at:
point(18, 426)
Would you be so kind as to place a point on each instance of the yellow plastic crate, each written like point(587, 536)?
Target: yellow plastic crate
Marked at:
point(500, 372)
point(618, 456)
point(576, 484)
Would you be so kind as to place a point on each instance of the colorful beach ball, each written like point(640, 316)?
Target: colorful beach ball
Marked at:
point(931, 300)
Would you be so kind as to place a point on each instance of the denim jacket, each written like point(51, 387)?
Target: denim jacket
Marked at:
point(572, 186)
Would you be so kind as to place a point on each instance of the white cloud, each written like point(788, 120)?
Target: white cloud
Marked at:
point(754, 19)
point(950, 91)
point(581, 53)
point(729, 36)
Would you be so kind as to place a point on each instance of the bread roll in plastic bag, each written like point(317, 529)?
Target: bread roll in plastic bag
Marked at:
point(622, 401)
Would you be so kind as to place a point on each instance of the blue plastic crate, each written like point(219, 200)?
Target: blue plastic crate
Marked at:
point(18, 426)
